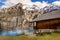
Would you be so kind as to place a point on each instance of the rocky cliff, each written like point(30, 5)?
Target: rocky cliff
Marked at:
point(10, 18)
point(17, 17)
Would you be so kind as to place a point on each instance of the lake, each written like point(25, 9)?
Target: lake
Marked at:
point(14, 32)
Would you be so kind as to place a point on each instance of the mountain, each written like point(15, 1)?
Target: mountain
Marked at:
point(9, 16)
point(20, 15)
point(34, 11)
point(40, 9)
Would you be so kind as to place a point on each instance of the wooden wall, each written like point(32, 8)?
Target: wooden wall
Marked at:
point(48, 24)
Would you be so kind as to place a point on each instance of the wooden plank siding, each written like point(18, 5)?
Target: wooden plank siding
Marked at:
point(48, 24)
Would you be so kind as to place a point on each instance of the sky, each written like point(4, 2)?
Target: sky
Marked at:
point(9, 3)
point(1, 2)
point(49, 1)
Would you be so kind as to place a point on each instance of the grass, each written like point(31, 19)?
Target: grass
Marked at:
point(53, 36)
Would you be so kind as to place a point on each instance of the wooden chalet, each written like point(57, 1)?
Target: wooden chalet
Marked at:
point(50, 20)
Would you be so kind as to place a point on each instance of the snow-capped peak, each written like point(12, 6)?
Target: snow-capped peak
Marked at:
point(45, 8)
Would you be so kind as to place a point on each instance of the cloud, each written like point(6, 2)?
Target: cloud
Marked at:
point(27, 2)
point(43, 4)
point(10, 3)
point(56, 3)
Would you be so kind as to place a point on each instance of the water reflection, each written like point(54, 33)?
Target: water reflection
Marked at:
point(14, 32)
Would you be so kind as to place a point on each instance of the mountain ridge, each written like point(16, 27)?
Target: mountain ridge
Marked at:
point(17, 17)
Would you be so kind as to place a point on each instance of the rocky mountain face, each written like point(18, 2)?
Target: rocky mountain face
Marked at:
point(10, 18)
point(19, 17)
point(16, 17)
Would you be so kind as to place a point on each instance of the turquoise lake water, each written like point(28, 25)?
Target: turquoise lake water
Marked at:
point(14, 32)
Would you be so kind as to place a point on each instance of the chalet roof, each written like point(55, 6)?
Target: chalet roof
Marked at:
point(49, 15)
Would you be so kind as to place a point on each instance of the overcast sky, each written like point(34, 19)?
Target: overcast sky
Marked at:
point(9, 3)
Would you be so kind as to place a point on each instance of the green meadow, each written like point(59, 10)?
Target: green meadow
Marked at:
point(53, 36)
